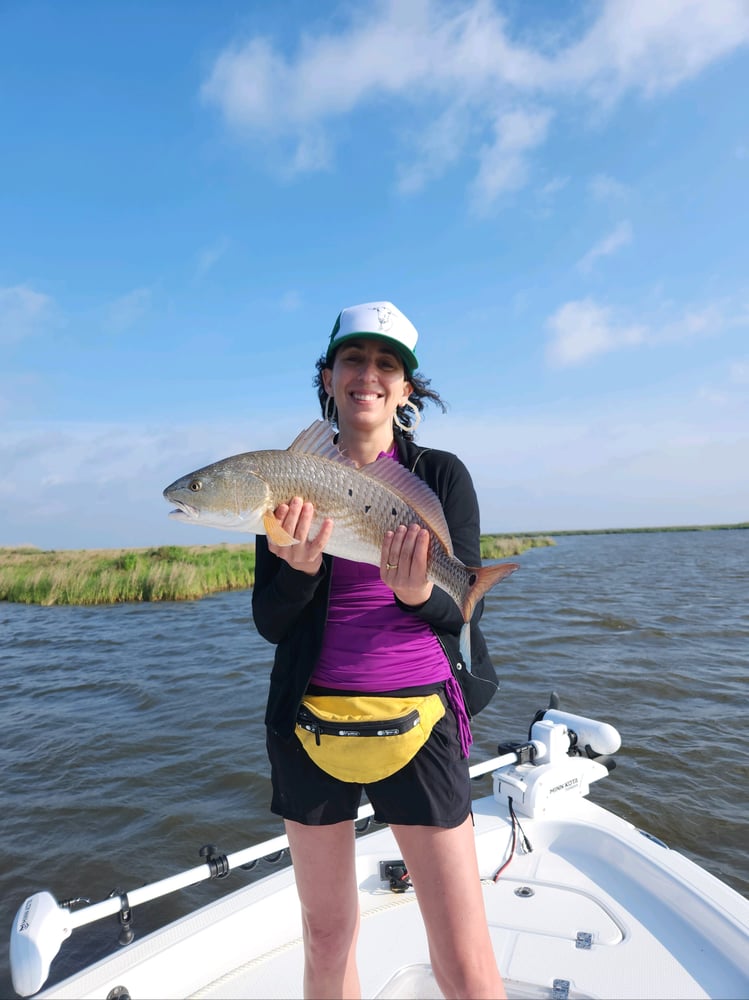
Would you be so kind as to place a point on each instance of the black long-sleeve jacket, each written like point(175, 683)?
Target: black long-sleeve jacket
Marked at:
point(290, 607)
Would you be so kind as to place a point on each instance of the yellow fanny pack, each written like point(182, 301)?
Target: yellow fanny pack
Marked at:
point(365, 738)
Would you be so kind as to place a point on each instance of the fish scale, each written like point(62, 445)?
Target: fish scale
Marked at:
point(362, 510)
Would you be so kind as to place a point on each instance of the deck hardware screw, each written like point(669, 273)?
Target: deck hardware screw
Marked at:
point(524, 891)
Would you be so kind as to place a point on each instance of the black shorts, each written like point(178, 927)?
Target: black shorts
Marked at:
point(433, 789)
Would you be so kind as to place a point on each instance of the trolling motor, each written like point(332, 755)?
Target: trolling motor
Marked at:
point(564, 755)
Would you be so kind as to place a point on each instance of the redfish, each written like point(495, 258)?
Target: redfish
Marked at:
point(240, 493)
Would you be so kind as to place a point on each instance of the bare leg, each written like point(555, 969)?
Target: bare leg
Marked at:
point(325, 873)
point(442, 864)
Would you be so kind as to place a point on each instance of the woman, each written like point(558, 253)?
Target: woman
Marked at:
point(347, 628)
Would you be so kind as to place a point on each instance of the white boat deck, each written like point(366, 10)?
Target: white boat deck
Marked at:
point(595, 910)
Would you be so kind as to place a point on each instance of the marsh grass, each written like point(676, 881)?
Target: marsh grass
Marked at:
point(167, 573)
point(110, 576)
point(503, 546)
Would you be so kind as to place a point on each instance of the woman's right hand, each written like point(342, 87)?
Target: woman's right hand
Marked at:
point(295, 517)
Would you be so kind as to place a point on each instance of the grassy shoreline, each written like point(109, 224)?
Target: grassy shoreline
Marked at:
point(165, 573)
point(182, 573)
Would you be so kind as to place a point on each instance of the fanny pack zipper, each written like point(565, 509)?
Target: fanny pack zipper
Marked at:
point(387, 727)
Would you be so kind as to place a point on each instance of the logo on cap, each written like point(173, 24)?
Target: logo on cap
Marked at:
point(384, 317)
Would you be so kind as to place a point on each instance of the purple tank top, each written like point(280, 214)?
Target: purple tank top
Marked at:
point(370, 644)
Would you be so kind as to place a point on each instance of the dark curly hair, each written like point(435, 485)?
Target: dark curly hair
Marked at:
point(421, 394)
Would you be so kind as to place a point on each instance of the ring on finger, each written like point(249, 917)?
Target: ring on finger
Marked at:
point(391, 565)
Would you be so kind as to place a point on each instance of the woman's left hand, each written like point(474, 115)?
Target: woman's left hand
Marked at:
point(403, 564)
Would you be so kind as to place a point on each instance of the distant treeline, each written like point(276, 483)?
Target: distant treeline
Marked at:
point(635, 531)
point(167, 573)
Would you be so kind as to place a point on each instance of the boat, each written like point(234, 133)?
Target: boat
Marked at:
point(580, 903)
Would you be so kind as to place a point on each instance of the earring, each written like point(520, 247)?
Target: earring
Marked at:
point(330, 411)
point(408, 429)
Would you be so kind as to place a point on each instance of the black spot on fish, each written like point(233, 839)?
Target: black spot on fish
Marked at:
point(394, 512)
point(350, 492)
point(367, 508)
point(472, 579)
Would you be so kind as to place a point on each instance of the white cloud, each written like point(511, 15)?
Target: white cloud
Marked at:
point(651, 47)
point(733, 391)
point(464, 74)
point(125, 312)
point(581, 330)
point(438, 145)
point(291, 301)
point(695, 322)
point(312, 152)
point(22, 312)
point(547, 196)
point(95, 485)
point(619, 237)
point(606, 188)
point(646, 460)
point(503, 163)
point(209, 256)
point(553, 187)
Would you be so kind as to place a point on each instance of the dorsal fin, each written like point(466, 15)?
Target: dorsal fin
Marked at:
point(415, 493)
point(317, 439)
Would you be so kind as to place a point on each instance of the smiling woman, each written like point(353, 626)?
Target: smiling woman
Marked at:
point(372, 592)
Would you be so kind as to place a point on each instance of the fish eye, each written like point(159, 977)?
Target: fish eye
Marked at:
point(196, 485)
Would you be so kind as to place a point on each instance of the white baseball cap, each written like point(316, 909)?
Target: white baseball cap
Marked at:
point(381, 320)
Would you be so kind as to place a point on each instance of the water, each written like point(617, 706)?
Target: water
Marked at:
point(133, 734)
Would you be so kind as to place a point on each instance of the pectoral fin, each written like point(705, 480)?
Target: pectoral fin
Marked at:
point(275, 533)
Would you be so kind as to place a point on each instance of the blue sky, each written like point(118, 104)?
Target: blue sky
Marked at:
point(555, 193)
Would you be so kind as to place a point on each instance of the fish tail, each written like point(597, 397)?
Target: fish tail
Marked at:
point(482, 579)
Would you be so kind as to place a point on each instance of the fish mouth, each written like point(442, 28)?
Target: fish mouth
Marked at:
point(183, 509)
